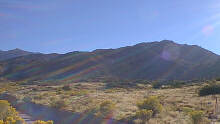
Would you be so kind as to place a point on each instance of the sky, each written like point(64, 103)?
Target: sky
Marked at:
point(62, 26)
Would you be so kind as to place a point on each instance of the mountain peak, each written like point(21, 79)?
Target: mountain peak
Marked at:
point(16, 49)
point(13, 53)
point(167, 41)
point(157, 60)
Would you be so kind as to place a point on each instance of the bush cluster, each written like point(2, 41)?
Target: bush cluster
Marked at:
point(218, 79)
point(148, 108)
point(197, 116)
point(59, 104)
point(210, 90)
point(106, 109)
point(144, 115)
point(43, 122)
point(8, 114)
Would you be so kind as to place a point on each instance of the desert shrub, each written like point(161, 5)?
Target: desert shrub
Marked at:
point(187, 110)
point(14, 120)
point(169, 83)
point(156, 85)
point(218, 79)
point(176, 84)
point(106, 109)
point(43, 122)
point(8, 114)
point(150, 103)
point(59, 104)
point(66, 88)
point(79, 93)
point(6, 110)
point(4, 106)
point(144, 115)
point(197, 117)
point(210, 90)
point(1, 90)
point(38, 97)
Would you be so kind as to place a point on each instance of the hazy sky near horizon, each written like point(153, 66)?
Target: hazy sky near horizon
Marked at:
point(83, 25)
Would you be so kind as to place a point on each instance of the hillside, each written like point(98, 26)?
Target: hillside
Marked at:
point(149, 61)
point(4, 55)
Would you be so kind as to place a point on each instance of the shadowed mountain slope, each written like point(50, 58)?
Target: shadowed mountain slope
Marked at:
point(154, 60)
point(4, 55)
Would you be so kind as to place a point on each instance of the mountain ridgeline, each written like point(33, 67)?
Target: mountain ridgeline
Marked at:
point(4, 55)
point(164, 60)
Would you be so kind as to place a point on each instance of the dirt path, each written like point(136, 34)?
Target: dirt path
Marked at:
point(28, 119)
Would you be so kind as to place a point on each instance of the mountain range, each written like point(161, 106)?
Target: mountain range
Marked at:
point(4, 55)
point(164, 60)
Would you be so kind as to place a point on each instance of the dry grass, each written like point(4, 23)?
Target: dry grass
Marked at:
point(87, 96)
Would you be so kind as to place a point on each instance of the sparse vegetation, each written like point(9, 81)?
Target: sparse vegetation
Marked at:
point(43, 122)
point(144, 115)
point(106, 109)
point(59, 104)
point(218, 79)
point(8, 114)
point(197, 117)
point(156, 85)
point(66, 88)
point(151, 103)
point(212, 89)
point(121, 103)
point(121, 85)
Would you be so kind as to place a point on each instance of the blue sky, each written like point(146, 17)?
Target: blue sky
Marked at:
point(83, 25)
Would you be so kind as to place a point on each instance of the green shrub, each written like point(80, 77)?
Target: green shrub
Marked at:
point(156, 85)
point(187, 110)
point(59, 104)
point(4, 107)
point(210, 90)
point(43, 122)
point(176, 84)
point(8, 114)
point(150, 103)
point(1, 90)
point(38, 97)
point(197, 117)
point(218, 79)
point(79, 93)
point(144, 115)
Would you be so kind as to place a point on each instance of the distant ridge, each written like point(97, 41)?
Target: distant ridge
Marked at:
point(164, 60)
point(4, 55)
